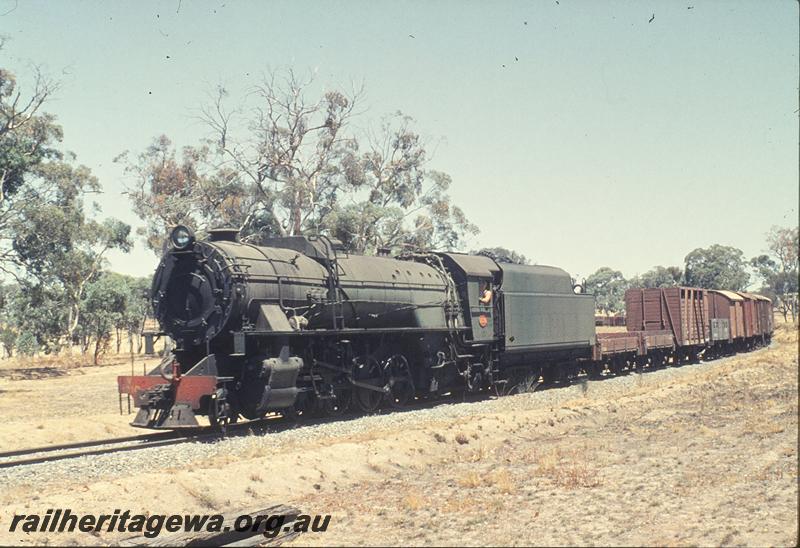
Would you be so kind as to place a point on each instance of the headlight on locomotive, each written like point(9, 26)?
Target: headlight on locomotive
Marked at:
point(181, 237)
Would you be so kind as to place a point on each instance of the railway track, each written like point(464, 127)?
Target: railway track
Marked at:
point(50, 453)
point(270, 424)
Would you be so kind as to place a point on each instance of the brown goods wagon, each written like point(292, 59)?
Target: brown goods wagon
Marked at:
point(727, 305)
point(681, 310)
point(768, 313)
point(749, 305)
point(764, 317)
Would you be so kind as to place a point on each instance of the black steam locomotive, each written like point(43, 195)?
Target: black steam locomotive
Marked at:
point(300, 326)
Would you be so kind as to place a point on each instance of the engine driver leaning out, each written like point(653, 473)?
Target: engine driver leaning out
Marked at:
point(486, 295)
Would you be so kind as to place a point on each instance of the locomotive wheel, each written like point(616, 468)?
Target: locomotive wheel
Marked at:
point(367, 370)
point(306, 405)
point(400, 381)
point(337, 406)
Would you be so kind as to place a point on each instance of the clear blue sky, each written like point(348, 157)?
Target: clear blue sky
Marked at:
point(612, 140)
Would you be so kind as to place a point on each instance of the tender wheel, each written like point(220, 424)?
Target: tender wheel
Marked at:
point(367, 370)
point(550, 374)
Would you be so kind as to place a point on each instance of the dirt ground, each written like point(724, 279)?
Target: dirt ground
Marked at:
point(53, 405)
point(697, 455)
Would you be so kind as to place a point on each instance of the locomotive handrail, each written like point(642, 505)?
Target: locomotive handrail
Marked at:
point(352, 331)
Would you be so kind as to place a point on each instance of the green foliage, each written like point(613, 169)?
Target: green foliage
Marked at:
point(37, 310)
point(778, 271)
point(502, 255)
point(138, 305)
point(299, 165)
point(659, 276)
point(716, 267)
point(27, 137)
point(54, 241)
point(608, 287)
point(104, 307)
point(8, 338)
point(48, 243)
point(8, 333)
point(27, 344)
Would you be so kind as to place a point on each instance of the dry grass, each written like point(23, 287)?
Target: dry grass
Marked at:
point(375, 467)
point(414, 502)
point(205, 500)
point(570, 469)
point(471, 480)
point(479, 455)
point(499, 479)
point(502, 481)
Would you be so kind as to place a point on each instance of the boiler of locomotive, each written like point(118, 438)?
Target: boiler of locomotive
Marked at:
point(206, 289)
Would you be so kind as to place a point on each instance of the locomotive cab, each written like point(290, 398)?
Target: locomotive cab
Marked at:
point(472, 274)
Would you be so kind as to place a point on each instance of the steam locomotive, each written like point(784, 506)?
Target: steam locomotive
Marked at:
point(297, 325)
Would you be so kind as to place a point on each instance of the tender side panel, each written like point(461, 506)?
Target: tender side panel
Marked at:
point(542, 312)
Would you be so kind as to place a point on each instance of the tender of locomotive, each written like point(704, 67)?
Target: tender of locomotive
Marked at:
point(299, 325)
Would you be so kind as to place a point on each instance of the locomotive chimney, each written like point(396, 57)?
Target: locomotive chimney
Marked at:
point(224, 234)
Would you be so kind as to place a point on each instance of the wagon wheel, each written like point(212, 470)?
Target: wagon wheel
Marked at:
point(401, 384)
point(595, 371)
point(367, 370)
